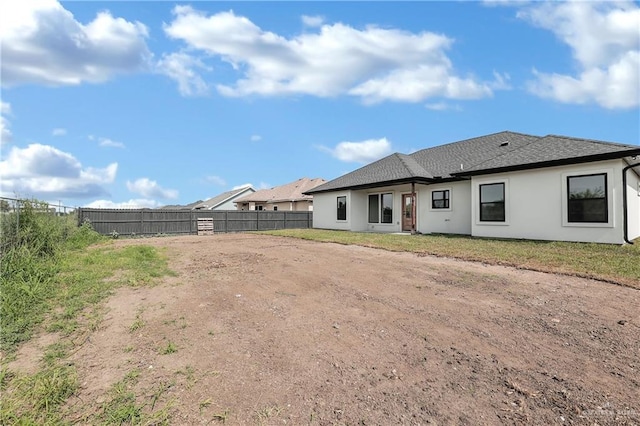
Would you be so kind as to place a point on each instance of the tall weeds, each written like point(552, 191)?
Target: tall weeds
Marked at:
point(31, 242)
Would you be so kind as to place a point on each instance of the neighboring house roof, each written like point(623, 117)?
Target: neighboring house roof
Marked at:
point(180, 206)
point(493, 153)
point(293, 191)
point(212, 203)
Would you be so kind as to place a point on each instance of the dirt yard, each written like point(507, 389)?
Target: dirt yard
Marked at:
point(270, 330)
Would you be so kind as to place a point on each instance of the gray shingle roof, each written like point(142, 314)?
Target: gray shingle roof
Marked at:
point(395, 167)
point(549, 149)
point(498, 151)
point(221, 198)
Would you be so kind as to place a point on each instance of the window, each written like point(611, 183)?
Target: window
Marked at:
point(440, 199)
point(587, 198)
point(492, 202)
point(275, 208)
point(342, 208)
point(374, 210)
point(259, 208)
point(381, 208)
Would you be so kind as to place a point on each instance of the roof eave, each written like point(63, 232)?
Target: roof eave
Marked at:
point(383, 183)
point(551, 163)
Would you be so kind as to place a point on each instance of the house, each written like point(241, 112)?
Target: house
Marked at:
point(503, 185)
point(290, 197)
point(180, 206)
point(226, 200)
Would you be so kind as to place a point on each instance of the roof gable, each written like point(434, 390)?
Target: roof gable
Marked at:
point(389, 169)
point(212, 203)
point(293, 191)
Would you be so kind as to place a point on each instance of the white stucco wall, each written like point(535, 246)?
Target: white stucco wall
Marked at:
point(454, 220)
point(396, 222)
point(325, 211)
point(536, 205)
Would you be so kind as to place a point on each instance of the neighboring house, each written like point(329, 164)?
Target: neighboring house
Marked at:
point(504, 185)
point(180, 206)
point(288, 197)
point(226, 200)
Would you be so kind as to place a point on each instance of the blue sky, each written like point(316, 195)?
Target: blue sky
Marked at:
point(144, 104)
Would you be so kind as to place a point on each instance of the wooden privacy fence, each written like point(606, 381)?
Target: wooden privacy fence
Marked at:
point(165, 221)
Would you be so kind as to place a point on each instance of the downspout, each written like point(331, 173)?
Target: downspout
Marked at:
point(625, 218)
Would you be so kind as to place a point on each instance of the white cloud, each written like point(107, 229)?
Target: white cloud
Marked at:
point(108, 143)
point(415, 85)
point(256, 138)
point(491, 3)
point(44, 171)
point(360, 152)
point(605, 42)
point(312, 21)
point(150, 189)
point(43, 43)
point(139, 203)
point(5, 133)
point(216, 180)
point(182, 67)
point(59, 131)
point(443, 106)
point(375, 64)
point(261, 185)
point(108, 174)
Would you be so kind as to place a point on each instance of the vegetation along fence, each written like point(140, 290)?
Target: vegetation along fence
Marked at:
point(18, 214)
point(166, 221)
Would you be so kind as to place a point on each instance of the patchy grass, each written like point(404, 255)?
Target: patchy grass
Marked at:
point(607, 262)
point(54, 274)
point(36, 398)
point(124, 407)
point(169, 348)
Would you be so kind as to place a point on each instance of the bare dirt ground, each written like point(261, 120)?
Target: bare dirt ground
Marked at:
point(270, 330)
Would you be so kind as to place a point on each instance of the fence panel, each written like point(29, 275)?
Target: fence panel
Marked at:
point(175, 222)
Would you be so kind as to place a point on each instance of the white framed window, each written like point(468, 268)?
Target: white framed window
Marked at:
point(381, 208)
point(341, 208)
point(441, 199)
point(587, 198)
point(492, 202)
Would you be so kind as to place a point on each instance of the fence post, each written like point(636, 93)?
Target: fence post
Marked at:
point(226, 221)
point(257, 220)
point(284, 220)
